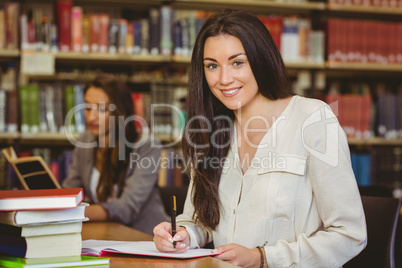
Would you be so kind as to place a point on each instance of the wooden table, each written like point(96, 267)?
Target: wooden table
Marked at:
point(116, 231)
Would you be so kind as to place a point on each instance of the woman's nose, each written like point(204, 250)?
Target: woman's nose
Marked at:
point(226, 76)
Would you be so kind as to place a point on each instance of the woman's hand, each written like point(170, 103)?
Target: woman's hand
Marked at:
point(164, 241)
point(239, 255)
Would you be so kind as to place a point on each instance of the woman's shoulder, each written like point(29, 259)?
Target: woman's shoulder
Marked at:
point(305, 106)
point(147, 143)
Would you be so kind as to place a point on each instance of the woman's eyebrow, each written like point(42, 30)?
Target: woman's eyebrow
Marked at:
point(236, 55)
point(231, 57)
point(211, 59)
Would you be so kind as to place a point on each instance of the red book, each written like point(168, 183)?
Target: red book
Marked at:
point(64, 22)
point(41, 199)
point(104, 33)
point(138, 102)
point(95, 32)
point(274, 26)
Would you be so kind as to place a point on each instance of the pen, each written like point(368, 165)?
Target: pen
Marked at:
point(174, 220)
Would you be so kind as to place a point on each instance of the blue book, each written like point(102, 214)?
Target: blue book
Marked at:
point(355, 166)
point(365, 168)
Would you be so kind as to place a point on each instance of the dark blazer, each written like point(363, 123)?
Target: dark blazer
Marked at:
point(139, 205)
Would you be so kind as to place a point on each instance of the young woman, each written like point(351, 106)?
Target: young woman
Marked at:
point(269, 169)
point(106, 161)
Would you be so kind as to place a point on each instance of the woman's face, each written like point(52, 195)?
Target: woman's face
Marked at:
point(228, 72)
point(97, 111)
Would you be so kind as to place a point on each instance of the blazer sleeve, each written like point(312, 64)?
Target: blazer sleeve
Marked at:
point(141, 178)
point(343, 232)
point(74, 179)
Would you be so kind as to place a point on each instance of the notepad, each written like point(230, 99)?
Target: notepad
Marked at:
point(145, 248)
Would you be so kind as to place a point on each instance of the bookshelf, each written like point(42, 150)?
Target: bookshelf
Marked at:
point(364, 9)
point(73, 56)
point(318, 11)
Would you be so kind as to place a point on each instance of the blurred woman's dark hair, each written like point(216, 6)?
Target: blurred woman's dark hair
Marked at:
point(116, 160)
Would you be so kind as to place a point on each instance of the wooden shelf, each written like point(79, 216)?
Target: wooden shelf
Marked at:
point(181, 59)
point(364, 66)
point(374, 141)
point(44, 136)
point(365, 9)
point(9, 135)
point(305, 65)
point(61, 138)
point(252, 4)
point(111, 57)
point(9, 53)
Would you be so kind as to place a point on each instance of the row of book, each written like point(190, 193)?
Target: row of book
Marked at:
point(295, 38)
point(58, 163)
point(160, 31)
point(43, 227)
point(381, 166)
point(172, 171)
point(361, 118)
point(167, 113)
point(163, 31)
point(352, 40)
point(368, 3)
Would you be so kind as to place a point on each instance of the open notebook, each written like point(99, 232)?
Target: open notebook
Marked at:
point(145, 248)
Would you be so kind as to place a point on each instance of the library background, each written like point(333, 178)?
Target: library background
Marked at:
point(345, 52)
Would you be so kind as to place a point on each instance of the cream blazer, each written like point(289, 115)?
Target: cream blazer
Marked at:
point(298, 199)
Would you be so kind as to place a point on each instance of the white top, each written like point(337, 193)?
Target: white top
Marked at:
point(93, 184)
point(299, 198)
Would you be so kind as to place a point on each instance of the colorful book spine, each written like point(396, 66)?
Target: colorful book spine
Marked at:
point(76, 29)
point(64, 8)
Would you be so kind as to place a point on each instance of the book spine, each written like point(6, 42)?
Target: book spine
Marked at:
point(137, 37)
point(122, 36)
point(76, 29)
point(34, 107)
point(95, 32)
point(24, 32)
point(69, 104)
point(64, 22)
point(79, 117)
point(145, 37)
point(2, 27)
point(137, 98)
point(3, 110)
point(86, 34)
point(43, 125)
point(104, 33)
point(130, 38)
point(166, 22)
point(12, 17)
point(113, 36)
point(24, 106)
point(178, 43)
point(154, 31)
point(50, 108)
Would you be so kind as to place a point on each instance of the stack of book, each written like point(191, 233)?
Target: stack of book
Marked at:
point(42, 226)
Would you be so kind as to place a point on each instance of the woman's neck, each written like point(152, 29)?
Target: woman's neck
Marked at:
point(261, 114)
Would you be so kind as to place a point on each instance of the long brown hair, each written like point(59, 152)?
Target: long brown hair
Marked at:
point(205, 111)
point(117, 157)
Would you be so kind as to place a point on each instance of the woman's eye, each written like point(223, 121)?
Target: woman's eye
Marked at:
point(237, 63)
point(211, 66)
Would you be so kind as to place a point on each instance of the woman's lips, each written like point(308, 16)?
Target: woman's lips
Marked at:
point(230, 92)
